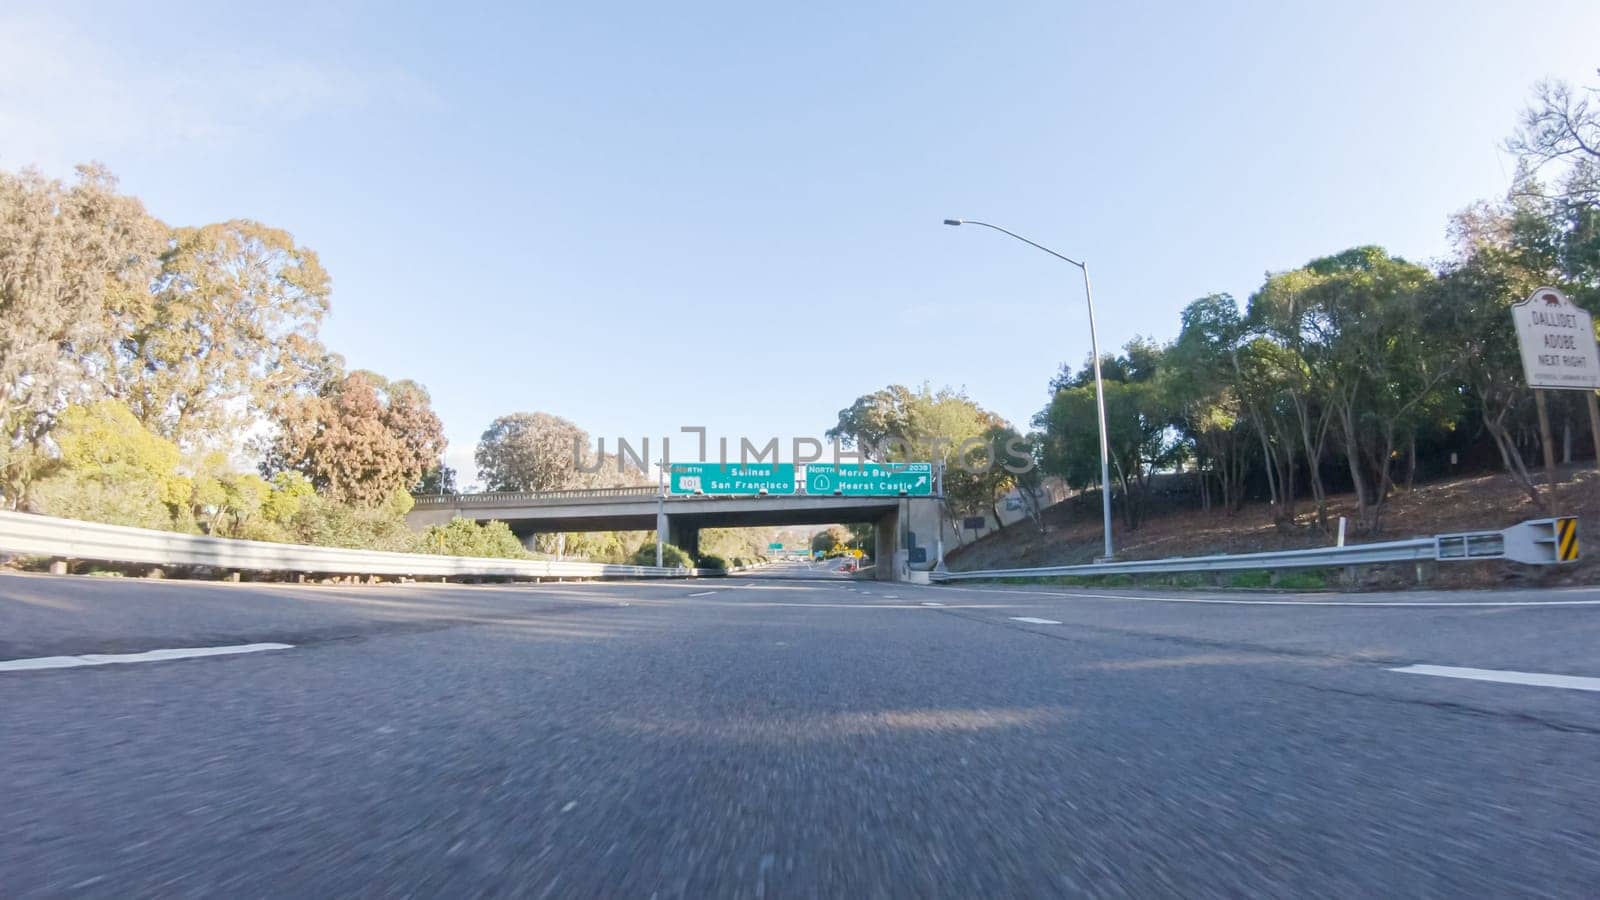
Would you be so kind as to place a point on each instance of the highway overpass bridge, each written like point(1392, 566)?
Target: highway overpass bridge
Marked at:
point(902, 523)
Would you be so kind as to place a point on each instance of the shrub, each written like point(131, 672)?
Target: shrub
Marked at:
point(110, 469)
point(134, 502)
point(1303, 580)
point(670, 556)
point(464, 537)
point(1251, 578)
point(713, 561)
point(329, 523)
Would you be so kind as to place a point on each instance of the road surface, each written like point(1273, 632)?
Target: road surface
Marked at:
point(752, 737)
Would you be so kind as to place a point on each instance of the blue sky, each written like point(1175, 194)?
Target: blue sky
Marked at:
point(643, 216)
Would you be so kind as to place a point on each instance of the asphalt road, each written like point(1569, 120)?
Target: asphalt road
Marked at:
point(754, 737)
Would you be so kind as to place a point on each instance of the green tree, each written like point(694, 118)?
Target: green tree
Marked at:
point(1201, 381)
point(976, 480)
point(464, 537)
point(873, 419)
point(358, 439)
point(828, 538)
point(441, 479)
point(671, 556)
point(231, 327)
point(530, 452)
point(945, 427)
point(326, 522)
point(109, 468)
point(1138, 426)
point(230, 503)
point(1494, 268)
point(1267, 377)
point(75, 266)
point(898, 424)
point(1300, 375)
point(290, 492)
point(606, 546)
point(737, 543)
point(863, 536)
point(1370, 358)
point(1557, 143)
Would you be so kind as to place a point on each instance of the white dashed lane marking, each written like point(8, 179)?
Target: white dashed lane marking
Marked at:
point(1032, 621)
point(1536, 679)
point(703, 594)
point(106, 659)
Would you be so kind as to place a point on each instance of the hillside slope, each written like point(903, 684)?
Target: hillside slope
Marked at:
point(1465, 504)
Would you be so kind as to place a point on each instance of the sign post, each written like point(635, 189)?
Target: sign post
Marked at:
point(1594, 425)
point(1546, 439)
point(1558, 353)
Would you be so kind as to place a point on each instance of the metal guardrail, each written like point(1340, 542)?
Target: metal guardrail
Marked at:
point(533, 497)
point(1538, 542)
point(25, 534)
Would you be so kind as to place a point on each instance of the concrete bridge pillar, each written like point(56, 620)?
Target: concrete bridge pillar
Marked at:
point(685, 537)
point(886, 540)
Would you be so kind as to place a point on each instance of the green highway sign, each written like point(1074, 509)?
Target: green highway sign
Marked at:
point(732, 478)
point(870, 479)
point(775, 546)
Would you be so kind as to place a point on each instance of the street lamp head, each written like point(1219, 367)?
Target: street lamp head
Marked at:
point(952, 221)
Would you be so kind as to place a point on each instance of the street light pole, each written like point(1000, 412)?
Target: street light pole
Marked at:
point(661, 505)
point(1099, 383)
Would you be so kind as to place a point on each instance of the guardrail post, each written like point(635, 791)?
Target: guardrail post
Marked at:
point(58, 567)
point(233, 576)
point(1426, 569)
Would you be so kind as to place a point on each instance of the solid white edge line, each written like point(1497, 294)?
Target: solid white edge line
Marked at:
point(1032, 621)
point(106, 659)
point(1535, 679)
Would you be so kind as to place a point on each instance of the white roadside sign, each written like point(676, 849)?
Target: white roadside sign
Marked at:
point(1557, 338)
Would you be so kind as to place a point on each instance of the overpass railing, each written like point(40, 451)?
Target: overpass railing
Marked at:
point(25, 534)
point(556, 498)
point(496, 498)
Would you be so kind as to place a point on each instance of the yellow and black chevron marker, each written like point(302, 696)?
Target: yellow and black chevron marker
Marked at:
point(1566, 540)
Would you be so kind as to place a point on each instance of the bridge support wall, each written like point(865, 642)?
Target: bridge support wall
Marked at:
point(886, 540)
point(685, 537)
